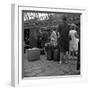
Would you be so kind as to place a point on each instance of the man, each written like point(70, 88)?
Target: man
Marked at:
point(63, 41)
point(51, 45)
point(53, 38)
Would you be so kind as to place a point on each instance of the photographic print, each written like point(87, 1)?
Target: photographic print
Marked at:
point(50, 43)
point(47, 43)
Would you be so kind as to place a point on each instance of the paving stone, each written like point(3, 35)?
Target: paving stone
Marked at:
point(45, 67)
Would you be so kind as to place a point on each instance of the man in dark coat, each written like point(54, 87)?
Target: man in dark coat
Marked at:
point(63, 41)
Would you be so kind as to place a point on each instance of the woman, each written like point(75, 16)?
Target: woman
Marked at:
point(73, 44)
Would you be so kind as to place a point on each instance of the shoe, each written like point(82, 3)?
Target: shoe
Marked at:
point(60, 62)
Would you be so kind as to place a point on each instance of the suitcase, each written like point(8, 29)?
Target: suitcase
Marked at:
point(33, 54)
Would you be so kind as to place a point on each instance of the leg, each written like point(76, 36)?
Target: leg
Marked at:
point(72, 55)
point(78, 61)
point(66, 57)
point(61, 57)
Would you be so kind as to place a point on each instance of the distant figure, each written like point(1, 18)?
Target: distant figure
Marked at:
point(63, 30)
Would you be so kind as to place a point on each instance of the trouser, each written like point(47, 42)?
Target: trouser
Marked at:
point(78, 61)
point(53, 53)
point(50, 52)
point(78, 65)
point(56, 54)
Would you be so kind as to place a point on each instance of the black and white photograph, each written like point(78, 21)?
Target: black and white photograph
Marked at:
point(50, 43)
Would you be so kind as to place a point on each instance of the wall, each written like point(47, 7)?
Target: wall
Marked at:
point(5, 41)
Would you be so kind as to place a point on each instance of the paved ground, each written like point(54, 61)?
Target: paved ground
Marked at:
point(44, 67)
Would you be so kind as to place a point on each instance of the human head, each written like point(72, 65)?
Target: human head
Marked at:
point(54, 29)
point(73, 26)
point(64, 18)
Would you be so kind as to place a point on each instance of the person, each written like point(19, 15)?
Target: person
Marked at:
point(73, 49)
point(78, 61)
point(39, 39)
point(63, 40)
point(54, 43)
point(53, 38)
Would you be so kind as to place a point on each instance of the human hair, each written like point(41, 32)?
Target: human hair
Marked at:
point(73, 26)
point(64, 18)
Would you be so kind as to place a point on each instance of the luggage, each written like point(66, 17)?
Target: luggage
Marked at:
point(33, 54)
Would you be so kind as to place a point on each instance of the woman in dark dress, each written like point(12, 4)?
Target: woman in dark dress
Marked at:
point(63, 41)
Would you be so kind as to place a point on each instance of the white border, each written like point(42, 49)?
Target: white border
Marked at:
point(17, 48)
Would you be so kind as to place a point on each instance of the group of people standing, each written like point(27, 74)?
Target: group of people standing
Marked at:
point(63, 41)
